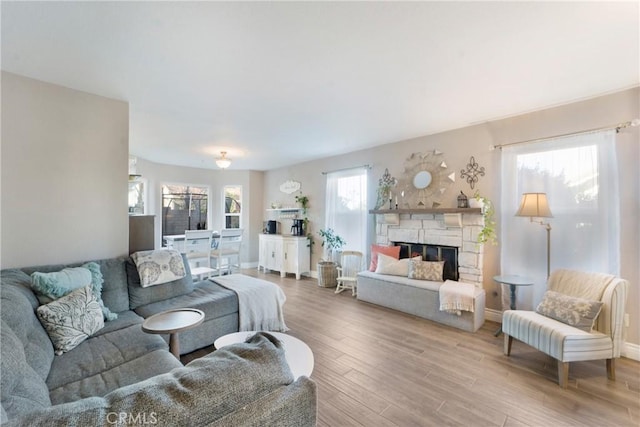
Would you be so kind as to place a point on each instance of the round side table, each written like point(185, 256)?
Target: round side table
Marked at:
point(513, 282)
point(172, 322)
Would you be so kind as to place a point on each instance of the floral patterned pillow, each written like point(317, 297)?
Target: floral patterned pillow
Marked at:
point(576, 312)
point(426, 270)
point(71, 319)
point(158, 267)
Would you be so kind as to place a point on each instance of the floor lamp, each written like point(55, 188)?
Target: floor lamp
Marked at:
point(535, 205)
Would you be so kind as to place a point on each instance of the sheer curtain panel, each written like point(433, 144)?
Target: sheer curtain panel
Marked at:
point(579, 176)
point(346, 206)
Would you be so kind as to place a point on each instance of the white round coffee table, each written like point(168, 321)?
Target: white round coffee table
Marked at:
point(298, 354)
point(171, 322)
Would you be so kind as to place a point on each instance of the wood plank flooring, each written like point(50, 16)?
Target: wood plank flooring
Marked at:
point(379, 367)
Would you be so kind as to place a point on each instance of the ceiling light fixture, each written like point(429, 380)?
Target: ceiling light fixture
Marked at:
point(223, 162)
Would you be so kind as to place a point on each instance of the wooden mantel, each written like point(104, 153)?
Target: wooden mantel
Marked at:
point(426, 210)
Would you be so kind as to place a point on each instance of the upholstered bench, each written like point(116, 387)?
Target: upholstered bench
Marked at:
point(418, 297)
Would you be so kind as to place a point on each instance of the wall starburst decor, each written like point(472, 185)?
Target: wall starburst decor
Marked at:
point(473, 172)
point(425, 180)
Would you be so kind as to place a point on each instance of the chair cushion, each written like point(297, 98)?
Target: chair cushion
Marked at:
point(573, 311)
point(558, 340)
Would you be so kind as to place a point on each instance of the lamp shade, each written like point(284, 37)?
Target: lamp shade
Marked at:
point(223, 162)
point(534, 205)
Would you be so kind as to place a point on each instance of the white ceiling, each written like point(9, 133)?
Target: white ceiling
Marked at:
point(279, 83)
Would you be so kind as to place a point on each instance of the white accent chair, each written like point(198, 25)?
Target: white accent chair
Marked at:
point(226, 254)
point(567, 343)
point(350, 266)
point(197, 246)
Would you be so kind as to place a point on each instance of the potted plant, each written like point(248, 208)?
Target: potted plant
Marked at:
point(488, 232)
point(331, 242)
point(328, 269)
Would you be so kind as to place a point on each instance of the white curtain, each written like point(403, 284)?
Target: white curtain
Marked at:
point(346, 207)
point(579, 176)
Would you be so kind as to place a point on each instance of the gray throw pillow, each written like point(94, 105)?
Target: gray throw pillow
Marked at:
point(71, 319)
point(426, 270)
point(576, 312)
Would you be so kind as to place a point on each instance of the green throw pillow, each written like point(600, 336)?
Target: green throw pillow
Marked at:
point(71, 319)
point(51, 286)
point(577, 312)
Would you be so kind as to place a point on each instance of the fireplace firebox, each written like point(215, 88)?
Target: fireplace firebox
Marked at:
point(448, 254)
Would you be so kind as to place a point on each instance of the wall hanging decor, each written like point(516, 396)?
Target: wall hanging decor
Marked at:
point(385, 184)
point(425, 180)
point(473, 172)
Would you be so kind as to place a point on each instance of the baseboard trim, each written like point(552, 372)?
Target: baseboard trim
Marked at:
point(631, 351)
point(493, 315)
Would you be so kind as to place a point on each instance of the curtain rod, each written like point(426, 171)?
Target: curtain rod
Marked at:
point(367, 166)
point(630, 123)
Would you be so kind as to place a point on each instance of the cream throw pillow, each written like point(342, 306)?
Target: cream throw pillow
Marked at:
point(71, 319)
point(392, 266)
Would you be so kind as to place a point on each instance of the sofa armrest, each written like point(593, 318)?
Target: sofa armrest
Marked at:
point(206, 391)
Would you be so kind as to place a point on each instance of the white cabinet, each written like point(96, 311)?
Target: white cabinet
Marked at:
point(286, 254)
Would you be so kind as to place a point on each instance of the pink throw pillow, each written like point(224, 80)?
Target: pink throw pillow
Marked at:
point(392, 251)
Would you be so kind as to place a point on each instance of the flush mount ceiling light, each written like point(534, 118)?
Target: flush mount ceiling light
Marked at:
point(223, 162)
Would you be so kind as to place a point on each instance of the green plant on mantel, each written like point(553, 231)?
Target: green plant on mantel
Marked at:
point(331, 241)
point(303, 201)
point(488, 232)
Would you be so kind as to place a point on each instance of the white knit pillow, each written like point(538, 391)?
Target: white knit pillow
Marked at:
point(394, 267)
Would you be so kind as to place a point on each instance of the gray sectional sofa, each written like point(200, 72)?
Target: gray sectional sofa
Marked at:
point(123, 372)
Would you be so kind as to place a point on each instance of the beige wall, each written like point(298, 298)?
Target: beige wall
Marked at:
point(157, 174)
point(458, 145)
point(64, 169)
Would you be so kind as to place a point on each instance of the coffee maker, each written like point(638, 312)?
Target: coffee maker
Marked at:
point(297, 229)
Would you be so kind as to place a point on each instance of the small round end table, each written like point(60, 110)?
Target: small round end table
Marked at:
point(172, 322)
point(513, 282)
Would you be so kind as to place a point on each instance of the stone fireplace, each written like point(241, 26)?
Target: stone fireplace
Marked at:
point(460, 230)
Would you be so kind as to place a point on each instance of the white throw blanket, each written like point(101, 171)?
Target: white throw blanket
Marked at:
point(456, 297)
point(260, 302)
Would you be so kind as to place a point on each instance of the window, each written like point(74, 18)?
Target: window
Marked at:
point(184, 207)
point(578, 174)
point(136, 197)
point(232, 206)
point(346, 207)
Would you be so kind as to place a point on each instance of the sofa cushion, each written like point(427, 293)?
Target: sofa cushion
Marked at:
point(21, 387)
point(115, 294)
point(426, 270)
point(101, 353)
point(214, 300)
point(205, 392)
point(578, 312)
point(71, 319)
point(156, 267)
point(18, 311)
point(146, 366)
point(139, 296)
point(51, 286)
